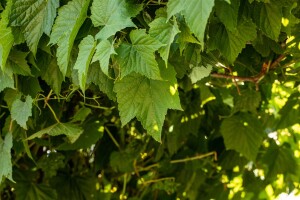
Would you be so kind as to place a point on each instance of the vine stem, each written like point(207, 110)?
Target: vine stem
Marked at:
point(198, 157)
point(52, 111)
point(112, 137)
point(124, 186)
point(158, 180)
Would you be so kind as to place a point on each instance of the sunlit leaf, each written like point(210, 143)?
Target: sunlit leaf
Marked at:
point(6, 35)
point(103, 52)
point(164, 32)
point(113, 15)
point(85, 55)
point(67, 24)
point(147, 100)
point(139, 55)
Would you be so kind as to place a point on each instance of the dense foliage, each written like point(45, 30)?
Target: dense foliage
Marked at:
point(145, 99)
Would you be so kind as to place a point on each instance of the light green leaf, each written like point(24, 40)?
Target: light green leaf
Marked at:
point(67, 24)
point(103, 52)
point(242, 133)
point(231, 43)
point(113, 15)
point(72, 131)
point(35, 18)
point(164, 32)
point(5, 157)
point(26, 190)
point(174, 7)
point(199, 73)
point(5, 81)
point(21, 111)
point(268, 18)
point(147, 100)
point(196, 13)
point(85, 55)
point(139, 56)
point(6, 36)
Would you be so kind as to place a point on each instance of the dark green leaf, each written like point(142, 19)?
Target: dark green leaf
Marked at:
point(72, 131)
point(242, 133)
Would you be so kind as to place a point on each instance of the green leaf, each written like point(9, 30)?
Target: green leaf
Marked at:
point(196, 13)
point(116, 159)
point(164, 32)
point(290, 113)
point(6, 36)
point(26, 190)
point(199, 73)
point(92, 132)
point(5, 81)
point(80, 187)
point(248, 100)
point(185, 36)
point(174, 7)
point(72, 131)
point(139, 56)
point(228, 13)
point(35, 18)
point(21, 111)
point(147, 100)
point(229, 43)
point(51, 74)
point(280, 160)
point(5, 157)
point(106, 84)
point(103, 52)
point(85, 55)
point(81, 114)
point(268, 18)
point(17, 63)
point(67, 24)
point(242, 133)
point(113, 16)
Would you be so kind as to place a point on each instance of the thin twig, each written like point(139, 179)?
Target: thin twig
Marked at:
point(213, 153)
point(254, 79)
point(159, 180)
point(112, 137)
point(198, 157)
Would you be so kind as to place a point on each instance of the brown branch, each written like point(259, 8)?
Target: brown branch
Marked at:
point(254, 79)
